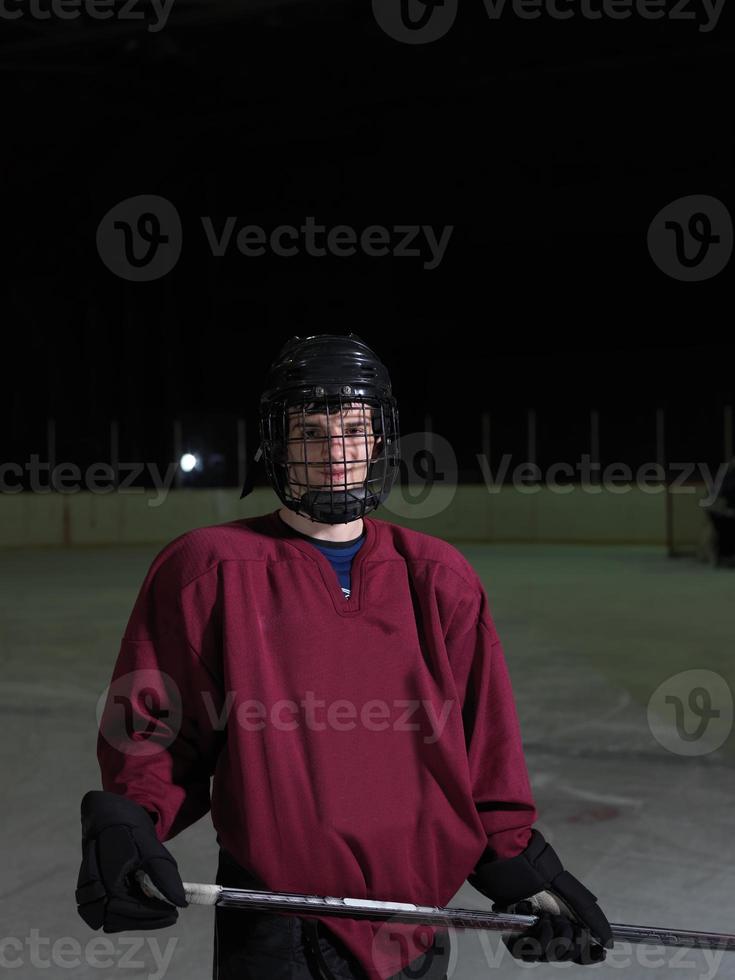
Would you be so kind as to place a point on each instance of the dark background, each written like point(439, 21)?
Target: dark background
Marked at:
point(549, 145)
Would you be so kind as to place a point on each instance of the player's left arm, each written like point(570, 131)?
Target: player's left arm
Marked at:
point(518, 870)
point(571, 925)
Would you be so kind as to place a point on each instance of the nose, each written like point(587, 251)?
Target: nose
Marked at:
point(335, 449)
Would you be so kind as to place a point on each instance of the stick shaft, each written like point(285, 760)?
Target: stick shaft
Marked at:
point(353, 908)
point(659, 936)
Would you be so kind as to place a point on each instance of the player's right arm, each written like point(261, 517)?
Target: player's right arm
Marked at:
point(157, 745)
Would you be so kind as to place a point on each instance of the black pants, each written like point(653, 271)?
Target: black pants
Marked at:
point(265, 946)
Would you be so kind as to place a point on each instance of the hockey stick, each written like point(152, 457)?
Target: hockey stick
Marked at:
point(364, 908)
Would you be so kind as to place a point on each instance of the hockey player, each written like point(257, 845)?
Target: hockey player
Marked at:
point(342, 680)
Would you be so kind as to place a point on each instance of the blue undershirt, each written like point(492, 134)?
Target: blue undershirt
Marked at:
point(338, 553)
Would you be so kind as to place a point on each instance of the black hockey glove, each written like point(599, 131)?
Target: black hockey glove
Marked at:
point(118, 839)
point(571, 924)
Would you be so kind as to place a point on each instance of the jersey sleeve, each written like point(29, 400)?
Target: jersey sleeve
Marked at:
point(501, 788)
point(162, 724)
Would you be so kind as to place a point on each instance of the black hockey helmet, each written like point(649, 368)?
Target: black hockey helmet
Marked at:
point(329, 428)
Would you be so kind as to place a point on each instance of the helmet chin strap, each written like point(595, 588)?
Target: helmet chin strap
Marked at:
point(335, 508)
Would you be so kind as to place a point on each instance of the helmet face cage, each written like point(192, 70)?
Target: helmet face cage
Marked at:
point(331, 452)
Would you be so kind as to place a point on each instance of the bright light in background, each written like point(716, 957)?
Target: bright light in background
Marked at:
point(188, 462)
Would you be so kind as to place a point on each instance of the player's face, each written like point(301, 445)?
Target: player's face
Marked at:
point(329, 453)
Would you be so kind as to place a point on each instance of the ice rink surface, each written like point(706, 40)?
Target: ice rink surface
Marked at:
point(591, 636)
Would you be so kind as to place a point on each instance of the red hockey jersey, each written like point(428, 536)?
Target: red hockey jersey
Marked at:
point(367, 747)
